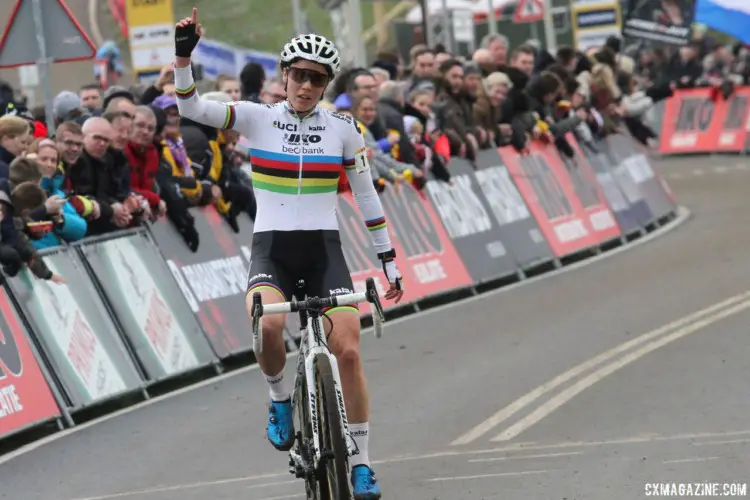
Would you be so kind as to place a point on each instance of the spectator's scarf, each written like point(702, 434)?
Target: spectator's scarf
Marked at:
point(179, 153)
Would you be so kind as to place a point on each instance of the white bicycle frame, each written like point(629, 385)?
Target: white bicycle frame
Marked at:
point(312, 345)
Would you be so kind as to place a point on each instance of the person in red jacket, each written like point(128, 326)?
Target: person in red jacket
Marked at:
point(144, 160)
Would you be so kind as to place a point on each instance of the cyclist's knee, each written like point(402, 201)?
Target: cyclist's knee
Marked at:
point(273, 324)
point(344, 339)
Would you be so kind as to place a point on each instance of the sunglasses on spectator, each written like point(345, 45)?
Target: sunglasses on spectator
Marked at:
point(300, 75)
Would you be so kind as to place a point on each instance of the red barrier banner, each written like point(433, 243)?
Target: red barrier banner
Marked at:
point(425, 254)
point(702, 121)
point(25, 397)
point(549, 192)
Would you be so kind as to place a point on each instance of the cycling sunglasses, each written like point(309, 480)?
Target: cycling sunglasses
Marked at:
point(300, 75)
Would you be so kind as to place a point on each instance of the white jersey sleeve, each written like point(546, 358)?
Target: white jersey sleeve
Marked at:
point(358, 173)
point(242, 116)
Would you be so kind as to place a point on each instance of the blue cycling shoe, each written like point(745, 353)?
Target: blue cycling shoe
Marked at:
point(280, 430)
point(364, 483)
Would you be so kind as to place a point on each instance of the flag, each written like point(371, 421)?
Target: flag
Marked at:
point(728, 16)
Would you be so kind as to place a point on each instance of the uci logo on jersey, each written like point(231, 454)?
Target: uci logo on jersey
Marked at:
point(289, 127)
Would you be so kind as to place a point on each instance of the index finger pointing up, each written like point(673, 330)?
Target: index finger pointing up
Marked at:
point(195, 15)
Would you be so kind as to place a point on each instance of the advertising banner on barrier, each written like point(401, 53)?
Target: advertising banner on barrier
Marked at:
point(146, 300)
point(702, 121)
point(625, 200)
point(25, 397)
point(426, 257)
point(549, 194)
point(213, 279)
point(466, 217)
point(518, 230)
point(75, 331)
point(589, 193)
point(637, 165)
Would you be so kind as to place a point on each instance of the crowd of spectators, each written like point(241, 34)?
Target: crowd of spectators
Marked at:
point(124, 156)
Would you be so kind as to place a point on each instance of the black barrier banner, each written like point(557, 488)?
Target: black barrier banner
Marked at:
point(146, 300)
point(213, 279)
point(466, 217)
point(639, 168)
point(625, 212)
point(630, 189)
point(663, 21)
point(518, 228)
point(75, 331)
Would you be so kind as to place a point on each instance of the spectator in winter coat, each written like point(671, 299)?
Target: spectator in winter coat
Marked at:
point(174, 153)
point(91, 97)
point(70, 226)
point(486, 109)
point(390, 110)
point(170, 185)
point(15, 138)
point(94, 176)
point(498, 45)
point(143, 158)
point(252, 78)
point(17, 207)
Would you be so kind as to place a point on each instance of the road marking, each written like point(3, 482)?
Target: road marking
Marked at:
point(683, 214)
point(720, 170)
point(689, 460)
point(499, 474)
point(647, 438)
point(566, 395)
point(527, 399)
point(698, 172)
point(522, 457)
point(202, 484)
point(733, 441)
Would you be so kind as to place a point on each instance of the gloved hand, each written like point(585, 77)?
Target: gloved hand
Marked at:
point(392, 274)
point(187, 33)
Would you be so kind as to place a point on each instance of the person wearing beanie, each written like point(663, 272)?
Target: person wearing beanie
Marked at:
point(116, 92)
point(66, 106)
point(170, 185)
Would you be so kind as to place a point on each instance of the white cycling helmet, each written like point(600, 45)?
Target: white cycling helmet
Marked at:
point(314, 48)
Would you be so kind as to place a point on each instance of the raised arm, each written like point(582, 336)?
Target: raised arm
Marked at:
point(214, 114)
point(211, 113)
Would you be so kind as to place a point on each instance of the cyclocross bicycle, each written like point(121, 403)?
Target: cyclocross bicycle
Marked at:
point(323, 443)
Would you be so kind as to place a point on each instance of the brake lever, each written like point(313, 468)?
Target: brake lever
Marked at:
point(376, 309)
point(257, 323)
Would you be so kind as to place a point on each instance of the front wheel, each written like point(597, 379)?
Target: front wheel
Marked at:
point(333, 473)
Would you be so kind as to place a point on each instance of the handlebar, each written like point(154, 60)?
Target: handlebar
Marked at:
point(317, 304)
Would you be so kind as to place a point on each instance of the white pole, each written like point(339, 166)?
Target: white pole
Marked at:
point(297, 16)
point(491, 18)
point(549, 28)
point(43, 64)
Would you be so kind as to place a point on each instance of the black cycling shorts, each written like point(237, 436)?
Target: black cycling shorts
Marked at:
point(280, 259)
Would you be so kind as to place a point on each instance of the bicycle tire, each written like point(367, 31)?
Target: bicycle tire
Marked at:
point(305, 429)
point(333, 477)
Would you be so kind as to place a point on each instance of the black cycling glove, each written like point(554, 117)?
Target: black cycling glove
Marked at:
point(185, 40)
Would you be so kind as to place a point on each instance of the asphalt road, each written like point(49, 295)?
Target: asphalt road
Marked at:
point(670, 407)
